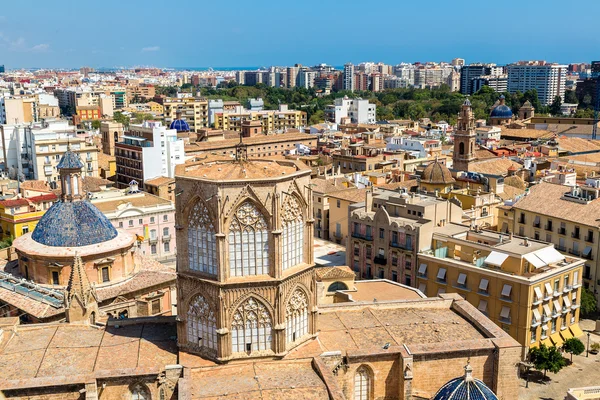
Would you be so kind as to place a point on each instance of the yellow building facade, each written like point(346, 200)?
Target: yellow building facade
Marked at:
point(20, 216)
point(271, 120)
point(193, 110)
point(526, 287)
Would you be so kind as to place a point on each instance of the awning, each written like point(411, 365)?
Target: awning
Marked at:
point(505, 313)
point(534, 260)
point(567, 302)
point(483, 284)
point(441, 275)
point(506, 289)
point(566, 334)
point(482, 305)
point(462, 278)
point(422, 269)
point(549, 290)
point(537, 316)
point(546, 342)
point(587, 251)
point(538, 293)
point(549, 255)
point(557, 307)
point(556, 339)
point(496, 258)
point(576, 330)
point(423, 288)
point(547, 311)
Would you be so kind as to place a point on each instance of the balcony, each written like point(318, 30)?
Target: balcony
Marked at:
point(574, 252)
point(557, 293)
point(565, 310)
point(561, 248)
point(589, 239)
point(537, 224)
point(548, 227)
point(567, 288)
point(153, 240)
point(562, 231)
point(362, 236)
point(401, 246)
point(575, 235)
point(535, 323)
point(522, 220)
point(576, 285)
point(166, 238)
point(574, 306)
point(546, 319)
point(381, 260)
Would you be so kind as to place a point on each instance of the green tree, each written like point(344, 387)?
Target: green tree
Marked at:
point(573, 346)
point(588, 303)
point(555, 106)
point(532, 96)
point(317, 117)
point(546, 359)
point(6, 242)
point(121, 118)
point(571, 97)
point(96, 124)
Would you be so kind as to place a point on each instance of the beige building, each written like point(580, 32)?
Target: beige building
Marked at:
point(192, 110)
point(526, 287)
point(49, 152)
point(112, 132)
point(322, 189)
point(272, 120)
point(563, 215)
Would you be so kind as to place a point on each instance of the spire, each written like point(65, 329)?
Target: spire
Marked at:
point(468, 372)
point(81, 302)
point(79, 284)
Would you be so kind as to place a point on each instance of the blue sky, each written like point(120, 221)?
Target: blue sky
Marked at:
point(204, 33)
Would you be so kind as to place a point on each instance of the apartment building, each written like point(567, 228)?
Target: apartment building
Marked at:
point(417, 147)
point(322, 188)
point(388, 229)
point(192, 110)
point(470, 74)
point(548, 79)
point(28, 108)
point(348, 77)
point(359, 111)
point(144, 91)
point(272, 121)
point(563, 215)
point(148, 151)
point(20, 215)
point(526, 287)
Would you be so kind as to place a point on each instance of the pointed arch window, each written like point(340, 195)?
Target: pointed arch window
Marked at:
point(248, 242)
point(251, 328)
point(202, 246)
point(296, 316)
point(293, 234)
point(202, 324)
point(362, 384)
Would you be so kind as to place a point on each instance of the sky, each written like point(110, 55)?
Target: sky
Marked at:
point(234, 33)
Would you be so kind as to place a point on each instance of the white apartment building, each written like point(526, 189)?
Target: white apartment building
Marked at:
point(348, 82)
point(487, 135)
point(148, 151)
point(548, 79)
point(360, 111)
point(417, 147)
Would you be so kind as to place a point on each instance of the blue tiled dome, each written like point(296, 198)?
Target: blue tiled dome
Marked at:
point(465, 388)
point(179, 125)
point(70, 160)
point(502, 111)
point(73, 224)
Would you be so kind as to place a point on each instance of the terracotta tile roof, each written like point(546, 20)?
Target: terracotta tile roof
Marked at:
point(14, 203)
point(140, 281)
point(251, 169)
point(515, 181)
point(255, 140)
point(493, 166)
point(545, 199)
point(325, 186)
point(576, 145)
point(161, 180)
point(28, 305)
point(399, 185)
point(43, 197)
point(146, 200)
point(104, 160)
point(351, 195)
point(41, 186)
point(337, 272)
point(525, 134)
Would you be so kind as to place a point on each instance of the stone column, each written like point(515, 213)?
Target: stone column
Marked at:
point(222, 256)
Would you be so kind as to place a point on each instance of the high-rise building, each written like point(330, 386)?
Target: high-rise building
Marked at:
point(458, 62)
point(497, 82)
point(360, 111)
point(348, 80)
point(193, 110)
point(469, 73)
point(2, 69)
point(548, 79)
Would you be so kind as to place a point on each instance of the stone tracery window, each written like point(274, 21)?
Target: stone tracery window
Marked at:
point(248, 242)
point(202, 324)
point(296, 316)
point(362, 384)
point(251, 327)
point(202, 246)
point(293, 233)
point(139, 391)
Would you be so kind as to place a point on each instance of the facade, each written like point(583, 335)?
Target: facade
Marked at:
point(272, 121)
point(388, 230)
point(19, 216)
point(565, 216)
point(497, 82)
point(322, 188)
point(162, 187)
point(348, 77)
point(464, 139)
point(548, 79)
point(261, 235)
point(470, 74)
point(359, 111)
point(148, 151)
point(419, 147)
point(526, 287)
point(193, 110)
point(112, 132)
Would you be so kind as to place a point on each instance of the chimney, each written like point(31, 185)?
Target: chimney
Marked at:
point(526, 242)
point(369, 199)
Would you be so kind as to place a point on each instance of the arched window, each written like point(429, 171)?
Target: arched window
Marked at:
point(461, 148)
point(202, 246)
point(296, 316)
point(202, 324)
point(362, 384)
point(139, 391)
point(251, 328)
point(293, 234)
point(248, 242)
point(335, 286)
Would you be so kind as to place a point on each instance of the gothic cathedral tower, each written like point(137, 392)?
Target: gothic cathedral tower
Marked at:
point(246, 281)
point(464, 139)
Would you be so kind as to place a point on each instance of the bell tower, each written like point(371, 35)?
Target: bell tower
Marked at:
point(464, 139)
point(71, 184)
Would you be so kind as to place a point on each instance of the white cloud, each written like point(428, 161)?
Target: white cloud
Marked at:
point(40, 48)
point(20, 45)
point(151, 48)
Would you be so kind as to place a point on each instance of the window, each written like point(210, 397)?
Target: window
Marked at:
point(248, 242)
point(130, 223)
point(423, 270)
point(202, 245)
point(335, 286)
point(338, 230)
point(139, 391)
point(140, 221)
point(362, 384)
point(462, 280)
point(441, 275)
point(105, 274)
point(165, 218)
point(165, 231)
point(202, 324)
point(251, 327)
point(153, 234)
point(506, 290)
point(533, 335)
point(553, 325)
point(483, 286)
point(55, 278)
point(381, 233)
point(296, 316)
point(25, 229)
point(151, 220)
point(293, 234)
point(120, 224)
point(338, 203)
point(153, 249)
point(156, 308)
point(166, 247)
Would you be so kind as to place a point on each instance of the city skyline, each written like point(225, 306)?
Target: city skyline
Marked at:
point(64, 38)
